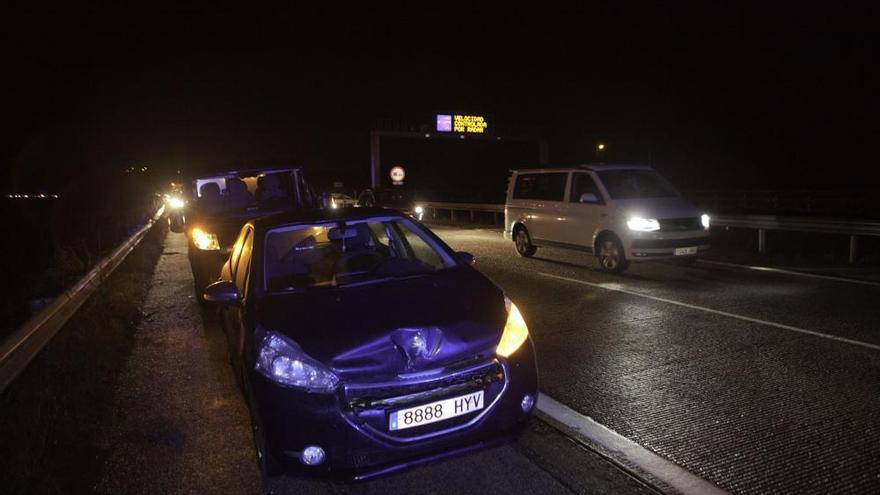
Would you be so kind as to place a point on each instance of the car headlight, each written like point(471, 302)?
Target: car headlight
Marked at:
point(705, 221)
point(175, 203)
point(205, 241)
point(419, 210)
point(333, 204)
point(515, 331)
point(643, 224)
point(284, 362)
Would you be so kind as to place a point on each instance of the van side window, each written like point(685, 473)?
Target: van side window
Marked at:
point(582, 184)
point(548, 187)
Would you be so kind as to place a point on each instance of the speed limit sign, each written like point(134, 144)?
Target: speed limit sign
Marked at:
point(397, 175)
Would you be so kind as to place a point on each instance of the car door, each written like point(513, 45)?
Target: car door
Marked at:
point(541, 197)
point(236, 316)
point(585, 211)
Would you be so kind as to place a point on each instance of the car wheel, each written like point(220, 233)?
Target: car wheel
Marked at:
point(523, 243)
point(270, 470)
point(611, 256)
point(199, 286)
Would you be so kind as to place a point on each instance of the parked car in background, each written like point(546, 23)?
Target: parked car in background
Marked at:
point(341, 200)
point(220, 203)
point(364, 344)
point(620, 213)
point(396, 198)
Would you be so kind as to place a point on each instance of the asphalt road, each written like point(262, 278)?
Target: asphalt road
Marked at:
point(181, 426)
point(758, 382)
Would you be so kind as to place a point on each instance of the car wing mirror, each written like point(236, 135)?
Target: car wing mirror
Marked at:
point(222, 292)
point(589, 198)
point(465, 257)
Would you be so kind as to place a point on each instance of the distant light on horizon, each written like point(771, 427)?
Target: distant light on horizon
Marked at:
point(32, 196)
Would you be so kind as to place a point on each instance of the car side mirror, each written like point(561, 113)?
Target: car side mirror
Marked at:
point(222, 292)
point(465, 257)
point(176, 223)
point(589, 198)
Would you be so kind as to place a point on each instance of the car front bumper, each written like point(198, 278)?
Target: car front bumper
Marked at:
point(356, 440)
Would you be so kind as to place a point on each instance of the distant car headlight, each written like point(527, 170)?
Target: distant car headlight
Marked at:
point(643, 224)
point(705, 221)
point(205, 241)
point(175, 203)
point(333, 204)
point(419, 211)
point(284, 362)
point(515, 331)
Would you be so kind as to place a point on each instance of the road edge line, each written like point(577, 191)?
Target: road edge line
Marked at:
point(783, 271)
point(586, 429)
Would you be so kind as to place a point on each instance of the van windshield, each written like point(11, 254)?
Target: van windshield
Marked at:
point(636, 184)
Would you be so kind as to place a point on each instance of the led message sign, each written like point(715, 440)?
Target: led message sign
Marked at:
point(467, 124)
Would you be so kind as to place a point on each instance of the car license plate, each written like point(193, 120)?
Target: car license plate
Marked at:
point(435, 411)
point(685, 251)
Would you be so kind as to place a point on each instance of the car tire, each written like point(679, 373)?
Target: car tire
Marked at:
point(610, 254)
point(199, 286)
point(522, 242)
point(270, 470)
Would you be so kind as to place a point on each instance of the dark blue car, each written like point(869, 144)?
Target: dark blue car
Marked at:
point(364, 344)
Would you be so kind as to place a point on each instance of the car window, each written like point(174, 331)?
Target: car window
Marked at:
point(636, 184)
point(349, 254)
point(548, 187)
point(582, 183)
point(243, 267)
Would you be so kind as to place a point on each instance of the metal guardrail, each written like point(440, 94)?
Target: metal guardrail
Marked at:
point(762, 223)
point(20, 348)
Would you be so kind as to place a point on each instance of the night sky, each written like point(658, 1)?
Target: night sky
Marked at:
point(713, 94)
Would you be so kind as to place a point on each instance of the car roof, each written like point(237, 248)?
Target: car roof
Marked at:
point(244, 171)
point(596, 167)
point(322, 215)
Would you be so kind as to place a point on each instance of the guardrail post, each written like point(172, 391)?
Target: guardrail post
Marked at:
point(853, 248)
point(451, 215)
point(762, 241)
point(472, 216)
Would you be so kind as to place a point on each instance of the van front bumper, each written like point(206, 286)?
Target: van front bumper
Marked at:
point(659, 245)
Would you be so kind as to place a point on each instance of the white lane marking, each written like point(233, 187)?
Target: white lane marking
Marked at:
point(790, 272)
point(586, 429)
point(618, 288)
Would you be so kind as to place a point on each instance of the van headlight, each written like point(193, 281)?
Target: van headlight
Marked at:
point(284, 362)
point(705, 221)
point(205, 241)
point(515, 331)
point(643, 224)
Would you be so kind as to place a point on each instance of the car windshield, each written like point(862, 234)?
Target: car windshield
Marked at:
point(636, 184)
point(348, 254)
point(235, 194)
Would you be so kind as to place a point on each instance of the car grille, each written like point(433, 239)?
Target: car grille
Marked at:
point(669, 243)
point(370, 405)
point(680, 224)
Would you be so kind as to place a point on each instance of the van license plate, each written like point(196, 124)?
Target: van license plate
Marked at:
point(435, 411)
point(685, 251)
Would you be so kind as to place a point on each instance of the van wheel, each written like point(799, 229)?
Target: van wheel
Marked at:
point(611, 256)
point(523, 243)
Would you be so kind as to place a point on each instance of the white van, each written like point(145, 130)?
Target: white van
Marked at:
point(620, 213)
